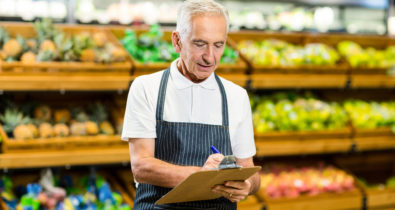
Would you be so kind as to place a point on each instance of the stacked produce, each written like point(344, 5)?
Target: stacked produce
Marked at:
point(288, 112)
point(52, 44)
point(368, 57)
point(47, 122)
point(285, 181)
point(389, 183)
point(63, 192)
point(371, 115)
point(150, 47)
point(278, 53)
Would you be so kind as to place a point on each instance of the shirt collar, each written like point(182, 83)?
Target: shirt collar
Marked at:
point(181, 82)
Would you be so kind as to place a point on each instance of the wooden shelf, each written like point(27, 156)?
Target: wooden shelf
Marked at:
point(301, 146)
point(64, 82)
point(239, 79)
point(298, 81)
point(375, 143)
point(64, 158)
point(372, 81)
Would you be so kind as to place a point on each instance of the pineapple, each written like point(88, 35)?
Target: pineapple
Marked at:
point(47, 45)
point(98, 113)
point(117, 54)
point(81, 116)
point(28, 57)
point(33, 129)
point(31, 45)
point(77, 129)
point(62, 116)
point(91, 128)
point(23, 132)
point(106, 128)
point(43, 113)
point(100, 39)
point(45, 130)
point(61, 130)
point(88, 55)
point(11, 119)
point(12, 48)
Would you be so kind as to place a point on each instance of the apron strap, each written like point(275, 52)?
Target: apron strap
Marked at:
point(162, 94)
point(225, 120)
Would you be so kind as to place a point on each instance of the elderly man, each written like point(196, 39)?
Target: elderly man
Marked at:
point(174, 116)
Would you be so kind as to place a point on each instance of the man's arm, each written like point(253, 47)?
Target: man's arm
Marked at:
point(148, 169)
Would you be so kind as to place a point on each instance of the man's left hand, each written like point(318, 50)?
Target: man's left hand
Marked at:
point(235, 191)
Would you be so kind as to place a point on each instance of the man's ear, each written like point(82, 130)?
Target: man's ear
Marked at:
point(176, 41)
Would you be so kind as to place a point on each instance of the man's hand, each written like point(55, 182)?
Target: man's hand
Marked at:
point(213, 161)
point(235, 191)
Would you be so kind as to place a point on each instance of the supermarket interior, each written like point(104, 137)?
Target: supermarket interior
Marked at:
point(320, 75)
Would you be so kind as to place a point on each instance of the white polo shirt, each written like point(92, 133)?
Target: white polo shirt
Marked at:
point(189, 102)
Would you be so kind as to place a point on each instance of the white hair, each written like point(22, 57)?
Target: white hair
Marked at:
point(191, 8)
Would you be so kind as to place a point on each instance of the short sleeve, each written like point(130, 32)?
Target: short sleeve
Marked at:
point(244, 136)
point(139, 120)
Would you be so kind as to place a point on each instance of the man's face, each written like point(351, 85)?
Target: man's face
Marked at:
point(202, 48)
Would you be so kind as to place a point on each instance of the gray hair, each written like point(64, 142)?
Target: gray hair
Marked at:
point(190, 8)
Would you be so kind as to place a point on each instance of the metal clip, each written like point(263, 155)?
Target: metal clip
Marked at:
point(229, 161)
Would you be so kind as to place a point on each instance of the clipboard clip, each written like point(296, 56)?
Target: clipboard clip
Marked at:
point(228, 162)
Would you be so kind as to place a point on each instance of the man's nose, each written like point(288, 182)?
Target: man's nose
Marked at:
point(208, 55)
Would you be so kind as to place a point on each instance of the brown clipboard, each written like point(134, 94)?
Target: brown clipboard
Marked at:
point(199, 184)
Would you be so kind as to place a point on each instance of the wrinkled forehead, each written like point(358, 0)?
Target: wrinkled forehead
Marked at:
point(208, 27)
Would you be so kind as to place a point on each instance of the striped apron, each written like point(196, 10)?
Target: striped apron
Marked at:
point(186, 144)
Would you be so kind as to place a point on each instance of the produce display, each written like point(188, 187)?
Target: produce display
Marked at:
point(389, 183)
point(61, 193)
point(42, 121)
point(52, 44)
point(368, 57)
point(285, 181)
point(278, 53)
point(150, 47)
point(289, 112)
point(371, 115)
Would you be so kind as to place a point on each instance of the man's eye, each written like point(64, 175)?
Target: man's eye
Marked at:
point(199, 45)
point(219, 45)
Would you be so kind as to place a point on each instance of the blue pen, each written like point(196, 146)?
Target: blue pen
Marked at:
point(215, 150)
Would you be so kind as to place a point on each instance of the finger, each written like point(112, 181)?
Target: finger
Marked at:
point(229, 190)
point(216, 157)
point(230, 196)
point(237, 184)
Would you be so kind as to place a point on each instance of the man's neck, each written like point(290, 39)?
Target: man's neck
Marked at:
point(183, 70)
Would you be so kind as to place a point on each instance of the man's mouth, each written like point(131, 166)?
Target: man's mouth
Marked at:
point(204, 66)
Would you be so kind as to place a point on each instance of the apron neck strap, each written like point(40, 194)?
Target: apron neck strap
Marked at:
point(162, 94)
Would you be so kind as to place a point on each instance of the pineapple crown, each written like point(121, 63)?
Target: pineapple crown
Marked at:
point(98, 112)
point(46, 29)
point(13, 118)
point(4, 36)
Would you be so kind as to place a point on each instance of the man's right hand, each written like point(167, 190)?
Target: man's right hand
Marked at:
point(213, 161)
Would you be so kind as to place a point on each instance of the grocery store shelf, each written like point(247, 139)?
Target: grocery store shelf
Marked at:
point(281, 147)
point(375, 143)
point(64, 82)
point(64, 158)
point(239, 79)
point(372, 81)
point(298, 81)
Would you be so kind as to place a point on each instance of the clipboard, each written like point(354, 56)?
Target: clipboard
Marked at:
point(199, 184)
